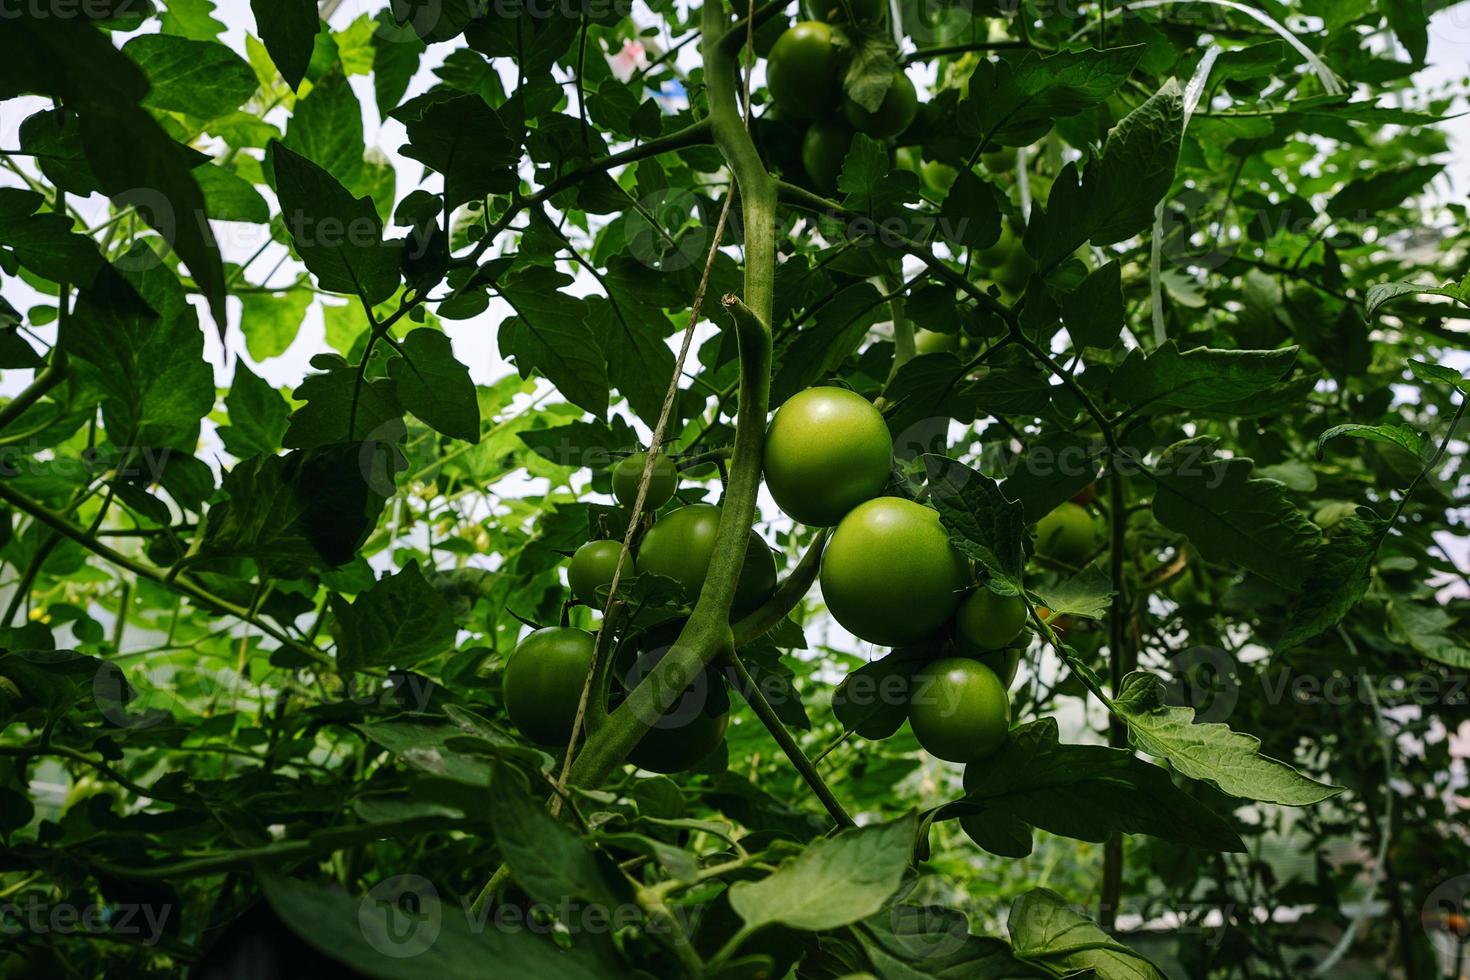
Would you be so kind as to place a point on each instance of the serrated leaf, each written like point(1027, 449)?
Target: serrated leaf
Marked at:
point(258, 416)
point(1197, 379)
point(434, 386)
point(982, 522)
point(1014, 102)
point(1230, 760)
point(1231, 516)
point(1367, 197)
point(1088, 792)
point(549, 335)
point(1401, 436)
point(1430, 630)
point(464, 139)
point(342, 406)
point(400, 621)
point(1339, 577)
point(44, 241)
point(1115, 198)
point(200, 78)
point(835, 882)
point(1045, 929)
point(1087, 594)
point(1093, 312)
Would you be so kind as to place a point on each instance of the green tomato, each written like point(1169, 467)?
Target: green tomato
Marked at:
point(939, 177)
point(802, 71)
point(1013, 274)
point(592, 568)
point(1008, 242)
point(680, 545)
point(693, 727)
point(933, 342)
point(987, 621)
point(844, 11)
point(894, 114)
point(543, 682)
point(909, 158)
point(1004, 663)
point(890, 575)
point(958, 710)
point(828, 450)
point(1002, 160)
point(1068, 534)
point(661, 483)
point(823, 150)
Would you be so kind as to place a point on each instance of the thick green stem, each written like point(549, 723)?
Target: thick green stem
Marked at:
point(791, 592)
point(707, 633)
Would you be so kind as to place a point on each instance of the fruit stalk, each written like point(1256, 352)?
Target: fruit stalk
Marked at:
point(707, 632)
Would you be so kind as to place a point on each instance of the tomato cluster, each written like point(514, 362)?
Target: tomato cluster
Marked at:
point(804, 74)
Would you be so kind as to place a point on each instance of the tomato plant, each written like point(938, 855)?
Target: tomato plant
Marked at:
point(1048, 427)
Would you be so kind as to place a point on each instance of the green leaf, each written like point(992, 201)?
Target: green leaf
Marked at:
point(1410, 22)
point(230, 197)
point(549, 334)
point(396, 54)
point(1047, 931)
point(869, 72)
point(288, 28)
point(971, 212)
point(1429, 630)
point(403, 931)
point(1199, 378)
point(434, 386)
point(1115, 198)
point(1338, 579)
point(313, 507)
point(270, 321)
point(340, 238)
point(835, 882)
point(1366, 197)
point(1093, 312)
point(342, 406)
point(1401, 436)
point(146, 361)
point(192, 19)
point(911, 942)
point(258, 416)
point(1015, 102)
point(44, 242)
point(1231, 516)
point(546, 858)
point(55, 137)
point(198, 78)
point(817, 350)
point(1230, 760)
point(1386, 292)
point(1088, 593)
point(639, 361)
point(982, 522)
point(401, 621)
point(1436, 373)
point(326, 129)
point(463, 139)
point(1088, 792)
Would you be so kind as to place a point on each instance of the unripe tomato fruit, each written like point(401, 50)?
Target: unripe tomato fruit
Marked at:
point(823, 150)
point(827, 450)
point(986, 621)
point(802, 71)
point(958, 710)
point(894, 114)
point(592, 568)
point(680, 546)
point(693, 727)
point(933, 342)
point(844, 11)
point(661, 483)
point(1067, 534)
point(1004, 663)
point(543, 682)
point(890, 575)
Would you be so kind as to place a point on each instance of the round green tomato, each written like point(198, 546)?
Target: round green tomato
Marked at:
point(1067, 534)
point(909, 158)
point(823, 150)
point(802, 71)
point(1014, 271)
point(894, 114)
point(676, 746)
point(939, 177)
point(661, 483)
point(1004, 663)
point(890, 575)
point(592, 568)
point(958, 710)
point(680, 545)
point(543, 682)
point(933, 342)
point(828, 450)
point(844, 11)
point(994, 255)
point(1002, 160)
point(987, 621)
